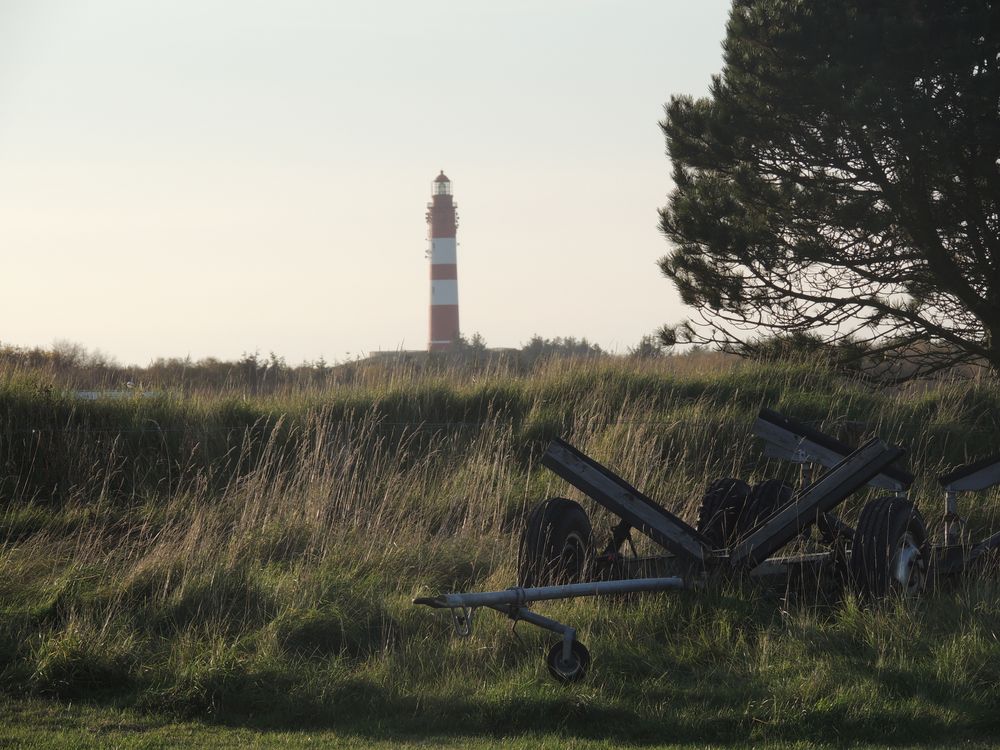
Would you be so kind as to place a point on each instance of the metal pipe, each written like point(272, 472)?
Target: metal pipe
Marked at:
point(567, 632)
point(950, 517)
point(518, 596)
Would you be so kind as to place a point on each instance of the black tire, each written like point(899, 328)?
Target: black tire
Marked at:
point(572, 671)
point(720, 511)
point(765, 498)
point(555, 545)
point(889, 553)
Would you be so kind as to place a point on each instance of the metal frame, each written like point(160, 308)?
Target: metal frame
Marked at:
point(952, 556)
point(625, 501)
point(788, 439)
point(848, 470)
point(849, 475)
point(513, 603)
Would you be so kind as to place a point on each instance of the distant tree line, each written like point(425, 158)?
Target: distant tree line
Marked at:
point(71, 365)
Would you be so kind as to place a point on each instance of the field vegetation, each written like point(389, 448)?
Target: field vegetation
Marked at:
point(229, 557)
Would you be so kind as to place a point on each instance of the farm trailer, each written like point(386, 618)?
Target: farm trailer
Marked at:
point(738, 531)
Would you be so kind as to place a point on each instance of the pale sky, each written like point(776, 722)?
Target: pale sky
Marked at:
point(212, 177)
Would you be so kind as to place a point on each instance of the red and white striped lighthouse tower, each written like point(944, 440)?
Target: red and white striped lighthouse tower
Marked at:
point(444, 267)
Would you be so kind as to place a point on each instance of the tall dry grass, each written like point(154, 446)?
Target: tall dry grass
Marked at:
point(213, 554)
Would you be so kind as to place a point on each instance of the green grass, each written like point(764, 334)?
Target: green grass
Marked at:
point(36, 723)
point(242, 572)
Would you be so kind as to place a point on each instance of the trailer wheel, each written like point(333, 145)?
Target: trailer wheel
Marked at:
point(720, 510)
point(555, 545)
point(765, 498)
point(889, 553)
point(575, 669)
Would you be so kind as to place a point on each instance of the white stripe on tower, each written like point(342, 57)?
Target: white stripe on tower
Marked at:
point(443, 250)
point(443, 222)
point(444, 292)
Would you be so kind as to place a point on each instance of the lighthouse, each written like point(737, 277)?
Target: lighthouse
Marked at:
point(443, 221)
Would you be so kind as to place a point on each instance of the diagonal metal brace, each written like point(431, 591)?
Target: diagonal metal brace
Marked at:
point(821, 496)
point(625, 501)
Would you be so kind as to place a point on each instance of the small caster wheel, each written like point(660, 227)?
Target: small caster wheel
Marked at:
point(573, 670)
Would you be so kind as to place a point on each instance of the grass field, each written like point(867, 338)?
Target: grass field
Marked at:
point(228, 570)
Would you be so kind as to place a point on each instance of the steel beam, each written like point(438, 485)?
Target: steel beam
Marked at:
point(625, 501)
point(821, 496)
point(518, 597)
point(790, 440)
point(980, 475)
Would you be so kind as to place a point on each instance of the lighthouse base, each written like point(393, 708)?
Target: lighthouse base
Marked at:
point(444, 327)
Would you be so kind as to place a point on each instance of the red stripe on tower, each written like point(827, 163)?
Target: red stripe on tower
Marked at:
point(443, 222)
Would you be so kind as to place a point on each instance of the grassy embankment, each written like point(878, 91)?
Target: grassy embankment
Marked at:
point(252, 562)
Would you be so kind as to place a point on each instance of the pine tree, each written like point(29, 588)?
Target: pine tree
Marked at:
point(843, 178)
